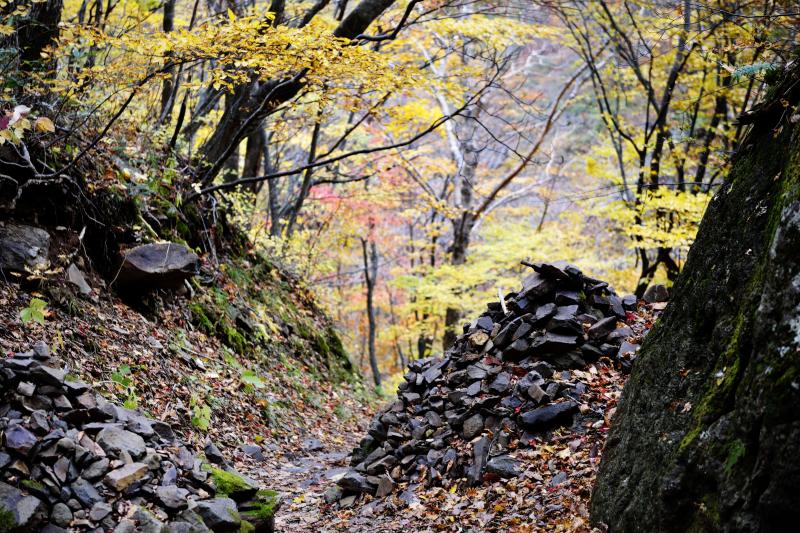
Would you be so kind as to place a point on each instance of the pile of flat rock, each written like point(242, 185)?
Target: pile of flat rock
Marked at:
point(507, 381)
point(72, 461)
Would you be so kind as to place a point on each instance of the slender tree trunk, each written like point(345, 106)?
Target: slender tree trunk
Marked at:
point(461, 236)
point(370, 253)
point(168, 85)
point(253, 156)
point(305, 187)
point(462, 227)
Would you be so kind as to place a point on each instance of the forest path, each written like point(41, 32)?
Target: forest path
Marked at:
point(306, 462)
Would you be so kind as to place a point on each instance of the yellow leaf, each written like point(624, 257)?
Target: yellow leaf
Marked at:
point(44, 125)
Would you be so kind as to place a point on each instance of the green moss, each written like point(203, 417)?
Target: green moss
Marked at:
point(201, 316)
point(246, 527)
point(32, 484)
point(226, 483)
point(234, 338)
point(266, 505)
point(7, 520)
point(737, 449)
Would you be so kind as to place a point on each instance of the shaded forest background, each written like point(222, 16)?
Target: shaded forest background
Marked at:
point(403, 157)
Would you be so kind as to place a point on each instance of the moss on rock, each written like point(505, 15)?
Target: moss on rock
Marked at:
point(725, 348)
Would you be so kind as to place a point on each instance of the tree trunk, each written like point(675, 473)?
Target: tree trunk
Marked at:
point(707, 433)
point(254, 151)
point(461, 234)
point(462, 227)
point(168, 86)
point(257, 100)
point(370, 274)
point(34, 32)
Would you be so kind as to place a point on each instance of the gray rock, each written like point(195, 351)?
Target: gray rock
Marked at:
point(85, 492)
point(213, 454)
point(627, 349)
point(253, 451)
point(99, 511)
point(354, 482)
point(479, 453)
point(23, 512)
point(656, 294)
point(501, 383)
point(549, 415)
point(61, 515)
point(49, 375)
point(41, 350)
point(76, 277)
point(219, 514)
point(504, 466)
point(146, 522)
point(26, 389)
point(385, 487)
point(96, 469)
point(312, 445)
point(23, 248)
point(187, 521)
point(19, 439)
point(115, 440)
point(333, 494)
point(537, 394)
point(125, 476)
point(476, 372)
point(554, 342)
point(472, 426)
point(619, 334)
point(473, 390)
point(535, 286)
point(602, 328)
point(39, 423)
point(347, 502)
point(160, 265)
point(173, 497)
point(125, 526)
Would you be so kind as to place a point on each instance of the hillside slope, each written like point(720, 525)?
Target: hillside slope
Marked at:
point(240, 355)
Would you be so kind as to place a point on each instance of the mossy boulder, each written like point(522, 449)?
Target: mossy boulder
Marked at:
point(260, 511)
point(707, 434)
point(231, 484)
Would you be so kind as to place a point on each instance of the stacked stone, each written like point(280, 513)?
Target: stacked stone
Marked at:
point(506, 378)
point(71, 460)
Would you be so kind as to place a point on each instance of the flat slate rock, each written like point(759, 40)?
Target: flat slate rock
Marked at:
point(157, 266)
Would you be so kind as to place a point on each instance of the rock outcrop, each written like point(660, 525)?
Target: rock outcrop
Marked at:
point(513, 376)
point(707, 434)
point(70, 460)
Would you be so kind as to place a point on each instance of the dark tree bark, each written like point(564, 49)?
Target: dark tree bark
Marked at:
point(370, 254)
point(35, 32)
point(253, 156)
point(168, 85)
point(258, 100)
point(707, 434)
